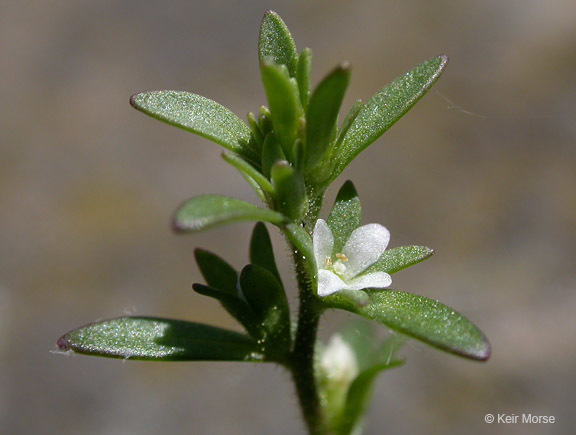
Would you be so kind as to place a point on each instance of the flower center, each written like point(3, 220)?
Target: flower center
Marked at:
point(338, 266)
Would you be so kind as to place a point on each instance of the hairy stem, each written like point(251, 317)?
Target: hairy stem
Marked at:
point(302, 358)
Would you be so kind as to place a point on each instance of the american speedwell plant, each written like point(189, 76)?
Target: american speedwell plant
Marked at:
point(290, 153)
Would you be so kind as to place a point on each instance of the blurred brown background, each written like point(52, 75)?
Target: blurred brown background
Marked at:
point(483, 169)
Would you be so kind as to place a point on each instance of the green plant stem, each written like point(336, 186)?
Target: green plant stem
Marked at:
point(302, 358)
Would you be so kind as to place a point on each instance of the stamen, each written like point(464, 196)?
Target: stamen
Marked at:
point(328, 262)
point(341, 257)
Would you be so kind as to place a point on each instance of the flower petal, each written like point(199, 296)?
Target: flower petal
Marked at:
point(370, 280)
point(364, 247)
point(323, 242)
point(328, 283)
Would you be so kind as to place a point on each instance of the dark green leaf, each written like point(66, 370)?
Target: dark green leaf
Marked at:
point(421, 318)
point(323, 111)
point(198, 115)
point(275, 43)
point(385, 108)
point(303, 76)
point(283, 99)
point(400, 258)
point(261, 252)
point(209, 211)
point(217, 272)
point(290, 190)
point(266, 296)
point(156, 339)
point(345, 216)
point(237, 307)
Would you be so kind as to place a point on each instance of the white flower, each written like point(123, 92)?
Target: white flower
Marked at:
point(340, 271)
point(338, 362)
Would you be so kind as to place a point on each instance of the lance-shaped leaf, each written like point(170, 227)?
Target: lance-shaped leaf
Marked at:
point(283, 99)
point(209, 211)
point(421, 318)
point(156, 339)
point(261, 252)
point(396, 259)
point(303, 76)
point(345, 216)
point(249, 172)
point(385, 108)
point(323, 111)
point(275, 43)
point(198, 115)
point(268, 300)
point(302, 241)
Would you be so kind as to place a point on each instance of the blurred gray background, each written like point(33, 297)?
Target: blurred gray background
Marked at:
point(483, 169)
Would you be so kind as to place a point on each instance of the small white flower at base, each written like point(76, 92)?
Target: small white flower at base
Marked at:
point(341, 271)
point(338, 362)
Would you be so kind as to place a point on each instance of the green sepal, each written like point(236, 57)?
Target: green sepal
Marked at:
point(237, 307)
point(421, 318)
point(345, 216)
point(271, 153)
point(385, 108)
point(268, 300)
point(275, 43)
point(217, 272)
point(396, 259)
point(157, 339)
point(199, 115)
point(322, 113)
point(284, 102)
point(303, 76)
point(290, 190)
point(208, 211)
point(261, 252)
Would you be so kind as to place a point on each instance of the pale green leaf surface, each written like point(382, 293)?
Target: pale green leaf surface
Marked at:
point(208, 211)
point(421, 318)
point(196, 114)
point(385, 108)
point(156, 339)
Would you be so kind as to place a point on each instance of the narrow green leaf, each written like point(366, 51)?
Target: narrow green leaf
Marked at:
point(236, 307)
point(323, 112)
point(156, 339)
point(261, 252)
point(290, 190)
point(283, 99)
point(385, 108)
point(267, 298)
point(217, 272)
point(421, 318)
point(198, 115)
point(248, 170)
point(209, 211)
point(275, 43)
point(303, 76)
point(271, 153)
point(396, 259)
point(345, 216)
